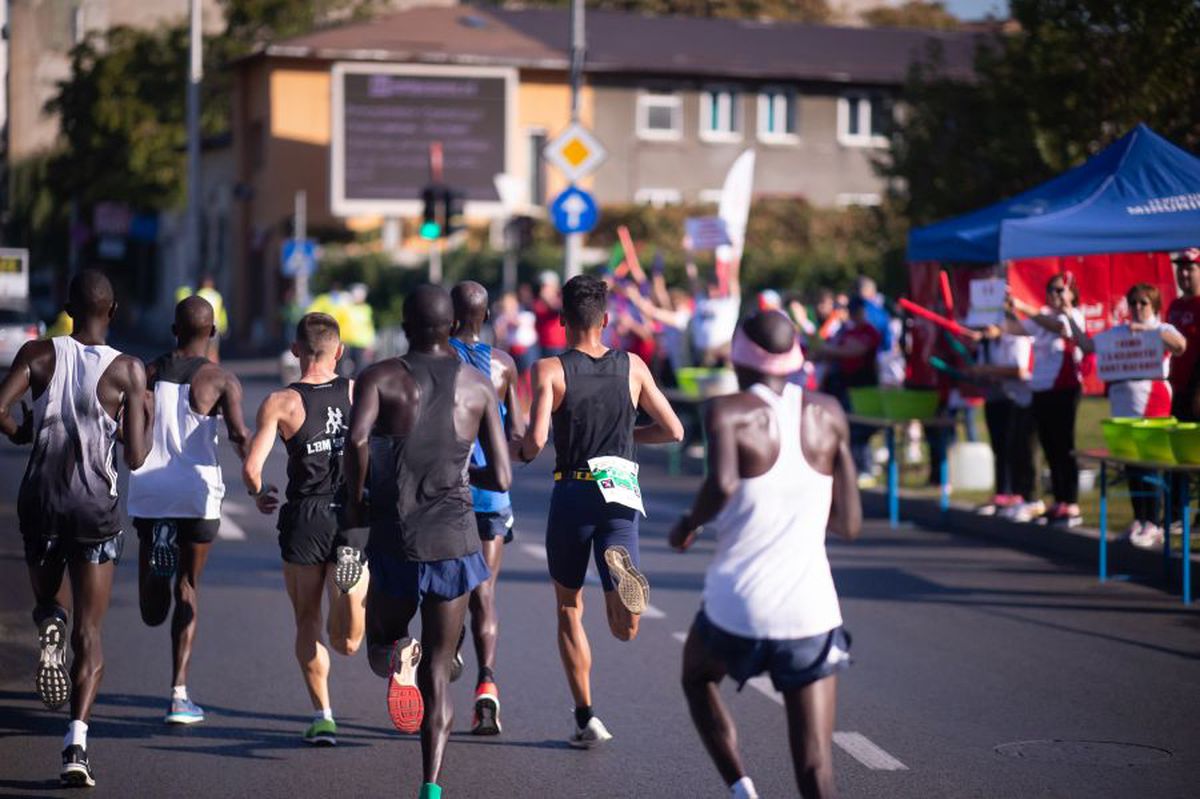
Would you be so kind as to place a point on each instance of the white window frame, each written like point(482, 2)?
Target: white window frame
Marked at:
point(671, 99)
point(657, 197)
point(730, 97)
point(767, 96)
point(710, 196)
point(864, 199)
point(862, 106)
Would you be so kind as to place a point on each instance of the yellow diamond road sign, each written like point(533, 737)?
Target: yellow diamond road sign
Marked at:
point(576, 152)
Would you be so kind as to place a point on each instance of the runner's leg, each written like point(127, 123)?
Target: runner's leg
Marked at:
point(573, 645)
point(622, 623)
point(192, 557)
point(441, 621)
point(91, 586)
point(154, 593)
point(485, 625)
point(702, 675)
point(347, 620)
point(810, 715)
point(387, 620)
point(305, 587)
point(51, 593)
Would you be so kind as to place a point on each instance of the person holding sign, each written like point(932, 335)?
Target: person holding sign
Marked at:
point(593, 394)
point(1057, 386)
point(780, 473)
point(1133, 359)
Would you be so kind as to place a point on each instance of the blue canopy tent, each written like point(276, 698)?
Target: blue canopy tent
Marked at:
point(1140, 194)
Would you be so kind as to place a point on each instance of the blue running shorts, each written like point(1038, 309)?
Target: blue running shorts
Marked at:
point(580, 524)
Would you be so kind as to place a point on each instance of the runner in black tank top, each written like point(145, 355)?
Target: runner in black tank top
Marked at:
point(311, 416)
point(592, 394)
point(415, 420)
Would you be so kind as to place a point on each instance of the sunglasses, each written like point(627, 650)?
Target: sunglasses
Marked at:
point(1057, 290)
point(1141, 302)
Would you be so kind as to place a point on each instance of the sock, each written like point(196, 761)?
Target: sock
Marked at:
point(743, 789)
point(179, 692)
point(76, 734)
point(582, 716)
point(326, 714)
point(485, 675)
point(431, 790)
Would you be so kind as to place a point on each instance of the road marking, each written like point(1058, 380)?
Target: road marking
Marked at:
point(230, 530)
point(855, 744)
point(862, 749)
point(539, 552)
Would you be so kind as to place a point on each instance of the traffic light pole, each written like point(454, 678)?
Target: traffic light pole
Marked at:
point(574, 249)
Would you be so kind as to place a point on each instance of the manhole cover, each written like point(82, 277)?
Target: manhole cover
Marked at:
point(1092, 753)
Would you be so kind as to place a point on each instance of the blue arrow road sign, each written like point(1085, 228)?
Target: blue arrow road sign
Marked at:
point(574, 211)
point(299, 257)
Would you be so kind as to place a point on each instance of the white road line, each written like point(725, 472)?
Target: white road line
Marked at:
point(539, 552)
point(855, 744)
point(862, 749)
point(230, 530)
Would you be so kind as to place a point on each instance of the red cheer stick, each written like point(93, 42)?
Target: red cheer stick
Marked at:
point(947, 296)
point(937, 319)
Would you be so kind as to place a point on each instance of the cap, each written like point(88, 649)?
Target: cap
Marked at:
point(1189, 256)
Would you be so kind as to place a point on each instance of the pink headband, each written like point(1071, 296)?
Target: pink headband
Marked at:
point(745, 352)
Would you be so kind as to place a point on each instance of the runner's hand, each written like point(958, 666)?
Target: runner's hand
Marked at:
point(266, 500)
point(24, 433)
point(682, 536)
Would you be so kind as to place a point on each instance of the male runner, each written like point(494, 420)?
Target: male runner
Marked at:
point(493, 510)
point(318, 557)
point(175, 496)
point(779, 472)
point(415, 420)
point(86, 396)
point(593, 394)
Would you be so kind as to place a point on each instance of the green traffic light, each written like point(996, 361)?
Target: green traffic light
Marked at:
point(431, 230)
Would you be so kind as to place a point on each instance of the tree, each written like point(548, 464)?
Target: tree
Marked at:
point(1076, 76)
point(794, 10)
point(912, 14)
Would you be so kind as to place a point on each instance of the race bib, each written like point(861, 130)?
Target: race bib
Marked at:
point(618, 481)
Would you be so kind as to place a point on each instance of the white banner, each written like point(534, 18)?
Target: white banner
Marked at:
point(987, 302)
point(1122, 354)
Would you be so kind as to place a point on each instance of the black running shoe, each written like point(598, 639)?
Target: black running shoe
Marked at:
point(76, 772)
point(164, 552)
point(457, 665)
point(53, 680)
point(348, 570)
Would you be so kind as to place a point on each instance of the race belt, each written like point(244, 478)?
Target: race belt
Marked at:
point(576, 474)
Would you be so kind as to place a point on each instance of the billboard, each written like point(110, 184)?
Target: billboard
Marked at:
point(385, 116)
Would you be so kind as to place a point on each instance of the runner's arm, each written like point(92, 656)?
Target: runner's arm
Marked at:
point(496, 475)
point(845, 514)
point(515, 415)
point(235, 420)
point(15, 384)
point(364, 411)
point(538, 432)
point(666, 427)
point(137, 413)
point(260, 447)
point(722, 478)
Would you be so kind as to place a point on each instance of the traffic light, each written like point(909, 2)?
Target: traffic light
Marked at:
point(455, 200)
point(433, 213)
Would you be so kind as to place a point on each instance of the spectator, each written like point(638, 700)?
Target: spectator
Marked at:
point(1056, 384)
point(877, 314)
point(1184, 315)
point(1142, 399)
point(515, 330)
point(715, 315)
point(552, 336)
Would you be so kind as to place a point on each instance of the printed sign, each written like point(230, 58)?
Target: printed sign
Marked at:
point(618, 481)
point(576, 152)
point(1122, 354)
point(987, 302)
point(14, 273)
point(706, 232)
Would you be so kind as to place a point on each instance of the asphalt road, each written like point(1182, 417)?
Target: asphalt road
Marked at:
point(979, 672)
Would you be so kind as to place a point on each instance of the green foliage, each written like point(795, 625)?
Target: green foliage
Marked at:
point(1078, 75)
point(249, 22)
point(794, 10)
point(913, 14)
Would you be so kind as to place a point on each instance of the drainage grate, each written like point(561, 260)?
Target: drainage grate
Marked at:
point(1092, 753)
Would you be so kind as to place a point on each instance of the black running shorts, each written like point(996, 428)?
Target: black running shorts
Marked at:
point(187, 531)
point(309, 533)
point(45, 551)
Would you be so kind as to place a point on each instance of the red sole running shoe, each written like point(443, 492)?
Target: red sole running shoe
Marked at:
point(486, 720)
point(405, 705)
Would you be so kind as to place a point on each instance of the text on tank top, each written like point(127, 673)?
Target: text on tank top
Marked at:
point(596, 416)
point(420, 499)
point(479, 355)
point(181, 477)
point(314, 466)
point(72, 471)
point(770, 576)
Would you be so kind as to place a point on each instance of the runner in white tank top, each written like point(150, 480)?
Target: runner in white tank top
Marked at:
point(780, 473)
point(175, 497)
point(85, 396)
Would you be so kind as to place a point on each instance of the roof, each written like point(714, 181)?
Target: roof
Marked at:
point(629, 43)
point(1140, 194)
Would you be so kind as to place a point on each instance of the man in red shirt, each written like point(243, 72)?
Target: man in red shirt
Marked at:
point(552, 336)
point(852, 351)
point(1184, 314)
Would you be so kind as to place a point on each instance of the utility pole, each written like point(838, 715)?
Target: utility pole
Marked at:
point(299, 235)
point(574, 241)
point(435, 246)
point(192, 262)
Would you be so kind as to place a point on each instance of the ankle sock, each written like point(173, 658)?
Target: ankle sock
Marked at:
point(485, 675)
point(76, 734)
point(582, 716)
point(743, 789)
point(431, 790)
point(179, 692)
point(326, 715)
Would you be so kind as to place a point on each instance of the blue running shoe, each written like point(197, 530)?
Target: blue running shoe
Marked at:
point(184, 711)
point(164, 552)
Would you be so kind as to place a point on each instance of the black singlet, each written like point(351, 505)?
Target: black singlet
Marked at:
point(596, 416)
point(314, 466)
point(420, 497)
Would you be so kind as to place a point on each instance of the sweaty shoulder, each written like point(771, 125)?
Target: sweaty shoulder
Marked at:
point(825, 409)
point(475, 382)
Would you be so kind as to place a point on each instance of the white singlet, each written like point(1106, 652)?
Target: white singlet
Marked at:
point(181, 478)
point(770, 577)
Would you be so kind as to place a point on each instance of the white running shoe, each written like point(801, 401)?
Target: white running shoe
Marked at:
point(1150, 537)
point(589, 736)
point(1134, 532)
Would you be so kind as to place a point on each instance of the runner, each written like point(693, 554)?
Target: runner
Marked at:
point(593, 395)
point(779, 472)
point(493, 510)
point(318, 557)
point(86, 396)
point(175, 497)
point(414, 422)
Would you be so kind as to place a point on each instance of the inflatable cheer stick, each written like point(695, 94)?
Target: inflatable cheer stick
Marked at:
point(937, 319)
point(940, 365)
point(947, 296)
point(631, 256)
